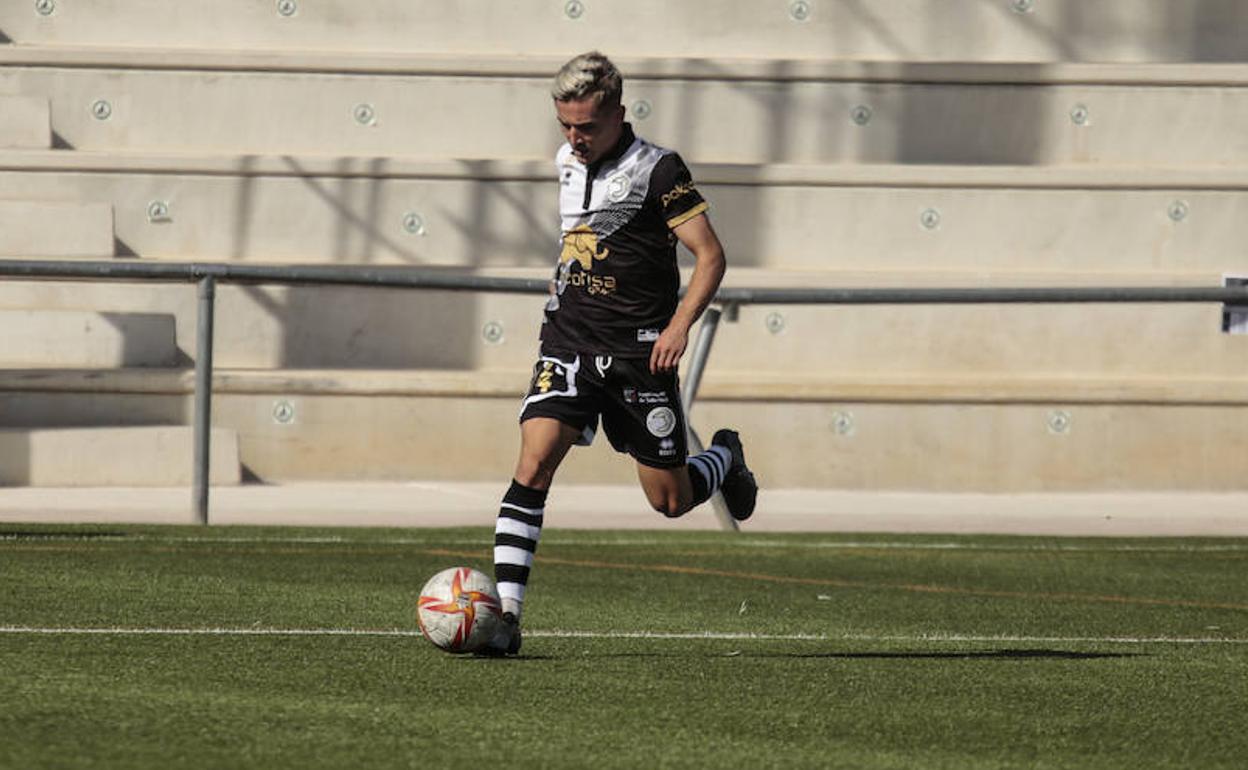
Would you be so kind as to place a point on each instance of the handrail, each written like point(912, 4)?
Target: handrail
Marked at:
point(399, 277)
point(458, 279)
point(207, 274)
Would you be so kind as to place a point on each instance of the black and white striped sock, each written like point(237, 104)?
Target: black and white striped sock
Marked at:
point(707, 471)
point(516, 533)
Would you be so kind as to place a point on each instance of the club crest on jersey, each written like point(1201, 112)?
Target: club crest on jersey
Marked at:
point(581, 245)
point(617, 187)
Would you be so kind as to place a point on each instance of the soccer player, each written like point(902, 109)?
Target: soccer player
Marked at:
point(614, 331)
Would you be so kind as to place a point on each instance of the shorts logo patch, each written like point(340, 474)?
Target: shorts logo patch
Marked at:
point(545, 379)
point(667, 447)
point(661, 421)
point(630, 395)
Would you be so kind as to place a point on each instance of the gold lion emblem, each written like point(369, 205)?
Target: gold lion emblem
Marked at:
point(581, 244)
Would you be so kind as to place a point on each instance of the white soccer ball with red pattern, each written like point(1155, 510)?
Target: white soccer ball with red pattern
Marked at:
point(459, 610)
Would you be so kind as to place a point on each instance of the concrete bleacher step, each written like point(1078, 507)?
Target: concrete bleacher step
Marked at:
point(493, 213)
point(25, 122)
point(276, 327)
point(51, 228)
point(957, 433)
point(64, 338)
point(961, 433)
point(781, 112)
point(140, 456)
point(79, 338)
point(1004, 30)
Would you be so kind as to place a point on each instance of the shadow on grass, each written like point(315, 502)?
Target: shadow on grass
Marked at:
point(500, 659)
point(21, 534)
point(917, 655)
point(964, 654)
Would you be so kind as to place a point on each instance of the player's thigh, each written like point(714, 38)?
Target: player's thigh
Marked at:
point(642, 414)
point(667, 489)
point(544, 442)
point(558, 411)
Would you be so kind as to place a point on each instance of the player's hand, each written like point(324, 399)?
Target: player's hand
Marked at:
point(667, 350)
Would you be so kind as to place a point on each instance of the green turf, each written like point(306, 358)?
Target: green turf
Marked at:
point(1002, 652)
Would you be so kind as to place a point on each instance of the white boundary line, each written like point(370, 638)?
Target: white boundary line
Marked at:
point(740, 542)
point(651, 635)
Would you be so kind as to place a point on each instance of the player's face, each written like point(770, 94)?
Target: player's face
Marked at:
point(590, 129)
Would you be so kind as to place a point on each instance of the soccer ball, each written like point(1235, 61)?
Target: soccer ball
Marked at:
point(459, 610)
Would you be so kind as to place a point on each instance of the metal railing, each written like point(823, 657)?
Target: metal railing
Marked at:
point(206, 276)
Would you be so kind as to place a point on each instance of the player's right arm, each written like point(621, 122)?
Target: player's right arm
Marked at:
point(709, 266)
point(683, 208)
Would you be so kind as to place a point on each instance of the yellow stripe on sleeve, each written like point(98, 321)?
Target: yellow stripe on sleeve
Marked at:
point(680, 219)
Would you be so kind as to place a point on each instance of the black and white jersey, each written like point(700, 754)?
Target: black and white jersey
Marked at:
point(616, 282)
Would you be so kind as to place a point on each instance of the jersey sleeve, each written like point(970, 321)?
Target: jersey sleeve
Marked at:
point(672, 189)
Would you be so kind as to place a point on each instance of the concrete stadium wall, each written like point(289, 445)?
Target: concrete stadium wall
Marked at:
point(897, 143)
point(814, 114)
point(25, 122)
point(43, 337)
point(343, 426)
point(57, 228)
point(501, 214)
point(905, 30)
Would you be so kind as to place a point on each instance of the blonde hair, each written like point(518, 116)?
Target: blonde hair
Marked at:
point(589, 74)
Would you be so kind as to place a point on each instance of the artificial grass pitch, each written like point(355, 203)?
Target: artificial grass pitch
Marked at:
point(245, 647)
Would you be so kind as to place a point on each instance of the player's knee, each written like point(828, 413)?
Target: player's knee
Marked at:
point(671, 507)
point(535, 474)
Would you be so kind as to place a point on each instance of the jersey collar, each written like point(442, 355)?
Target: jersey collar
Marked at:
point(627, 137)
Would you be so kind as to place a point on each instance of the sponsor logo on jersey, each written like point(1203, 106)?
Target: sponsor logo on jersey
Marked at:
point(661, 421)
point(580, 244)
point(594, 284)
point(677, 191)
point(630, 395)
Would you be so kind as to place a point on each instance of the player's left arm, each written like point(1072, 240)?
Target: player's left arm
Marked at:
point(699, 237)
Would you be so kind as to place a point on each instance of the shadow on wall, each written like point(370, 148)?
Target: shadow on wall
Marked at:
point(88, 410)
point(148, 340)
point(361, 328)
point(1189, 31)
point(968, 124)
point(493, 201)
point(4, 38)
point(1208, 30)
point(14, 450)
point(365, 328)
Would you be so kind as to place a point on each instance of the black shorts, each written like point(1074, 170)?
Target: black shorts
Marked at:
point(640, 411)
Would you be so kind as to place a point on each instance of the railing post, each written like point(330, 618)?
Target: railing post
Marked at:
point(693, 379)
point(203, 396)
